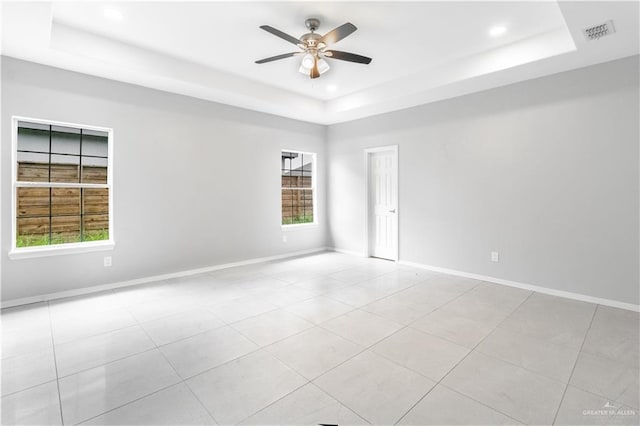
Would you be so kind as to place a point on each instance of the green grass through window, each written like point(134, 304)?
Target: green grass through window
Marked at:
point(297, 219)
point(43, 240)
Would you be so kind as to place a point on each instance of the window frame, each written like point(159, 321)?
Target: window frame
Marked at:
point(314, 189)
point(65, 248)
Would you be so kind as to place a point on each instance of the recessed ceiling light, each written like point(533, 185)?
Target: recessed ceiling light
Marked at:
point(332, 88)
point(497, 31)
point(114, 14)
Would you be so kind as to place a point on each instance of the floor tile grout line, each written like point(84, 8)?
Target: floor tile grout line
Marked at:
point(122, 358)
point(495, 328)
point(386, 337)
point(369, 348)
point(338, 365)
point(521, 366)
point(313, 322)
point(601, 396)
point(55, 364)
point(462, 360)
point(107, 363)
point(482, 403)
point(602, 356)
point(468, 349)
point(77, 339)
point(281, 398)
point(246, 318)
point(224, 324)
point(263, 347)
point(311, 326)
point(309, 382)
point(375, 300)
point(122, 307)
point(31, 387)
point(259, 348)
point(115, 330)
point(458, 363)
point(338, 401)
point(183, 381)
point(584, 339)
point(324, 327)
point(137, 324)
point(200, 401)
point(421, 316)
point(128, 403)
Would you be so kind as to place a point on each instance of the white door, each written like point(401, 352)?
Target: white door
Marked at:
point(383, 203)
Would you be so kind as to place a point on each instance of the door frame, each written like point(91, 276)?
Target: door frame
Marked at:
point(367, 155)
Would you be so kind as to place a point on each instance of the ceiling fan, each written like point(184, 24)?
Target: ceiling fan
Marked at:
point(314, 48)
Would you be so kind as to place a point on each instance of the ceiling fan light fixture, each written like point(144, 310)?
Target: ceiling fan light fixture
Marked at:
point(323, 66)
point(303, 70)
point(307, 62)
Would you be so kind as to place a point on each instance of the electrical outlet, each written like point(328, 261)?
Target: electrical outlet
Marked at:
point(495, 256)
point(107, 261)
point(284, 238)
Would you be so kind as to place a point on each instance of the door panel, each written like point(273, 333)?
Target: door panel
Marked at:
point(382, 208)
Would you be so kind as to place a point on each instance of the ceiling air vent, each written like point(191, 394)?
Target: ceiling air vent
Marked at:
point(597, 31)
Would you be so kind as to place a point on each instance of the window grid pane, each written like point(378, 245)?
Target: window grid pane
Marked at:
point(49, 154)
point(61, 152)
point(297, 188)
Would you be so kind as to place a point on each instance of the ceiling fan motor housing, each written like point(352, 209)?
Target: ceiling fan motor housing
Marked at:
point(311, 40)
point(312, 24)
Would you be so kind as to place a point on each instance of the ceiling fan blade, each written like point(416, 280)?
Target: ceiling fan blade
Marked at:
point(275, 58)
point(338, 34)
point(278, 33)
point(346, 56)
point(315, 72)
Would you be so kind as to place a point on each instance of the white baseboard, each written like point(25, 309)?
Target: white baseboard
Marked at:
point(138, 281)
point(544, 290)
point(145, 280)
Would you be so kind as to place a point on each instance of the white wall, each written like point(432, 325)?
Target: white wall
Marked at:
point(545, 172)
point(195, 183)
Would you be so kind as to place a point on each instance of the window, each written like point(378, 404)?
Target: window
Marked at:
point(298, 187)
point(62, 195)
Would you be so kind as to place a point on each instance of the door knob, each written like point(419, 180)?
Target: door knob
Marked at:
point(392, 211)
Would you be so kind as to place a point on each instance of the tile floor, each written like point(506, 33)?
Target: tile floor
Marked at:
point(327, 338)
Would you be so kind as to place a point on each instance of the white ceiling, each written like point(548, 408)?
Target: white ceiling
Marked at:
point(422, 51)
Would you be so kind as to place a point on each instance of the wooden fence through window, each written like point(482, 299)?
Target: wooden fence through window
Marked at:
point(297, 204)
point(65, 210)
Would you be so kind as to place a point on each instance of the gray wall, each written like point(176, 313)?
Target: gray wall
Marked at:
point(195, 183)
point(545, 172)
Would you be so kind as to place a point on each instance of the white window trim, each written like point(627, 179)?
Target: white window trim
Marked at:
point(57, 249)
point(314, 178)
